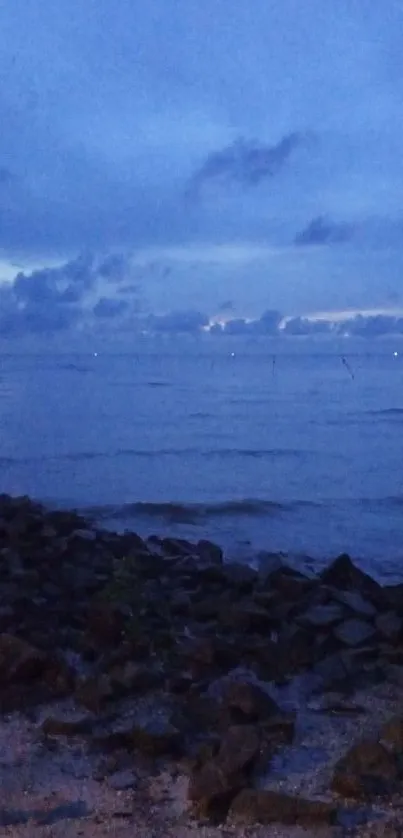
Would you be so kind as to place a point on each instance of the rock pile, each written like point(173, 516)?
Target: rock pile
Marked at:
point(171, 653)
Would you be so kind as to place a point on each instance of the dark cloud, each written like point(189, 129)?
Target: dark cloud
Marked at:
point(48, 300)
point(190, 322)
point(372, 326)
point(322, 230)
point(267, 324)
point(300, 326)
point(131, 288)
point(363, 326)
point(227, 305)
point(108, 308)
point(115, 268)
point(246, 162)
point(6, 175)
point(237, 326)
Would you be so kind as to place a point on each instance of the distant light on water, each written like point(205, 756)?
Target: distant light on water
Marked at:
point(395, 354)
point(95, 354)
point(232, 354)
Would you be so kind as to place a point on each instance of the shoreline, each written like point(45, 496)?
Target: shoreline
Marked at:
point(191, 694)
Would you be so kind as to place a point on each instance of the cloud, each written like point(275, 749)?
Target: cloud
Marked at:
point(180, 322)
point(372, 326)
point(267, 324)
point(115, 268)
point(303, 326)
point(108, 308)
point(363, 326)
point(48, 300)
point(6, 175)
point(322, 230)
point(246, 162)
point(227, 305)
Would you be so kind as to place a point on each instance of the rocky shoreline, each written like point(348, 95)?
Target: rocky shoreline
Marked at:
point(158, 658)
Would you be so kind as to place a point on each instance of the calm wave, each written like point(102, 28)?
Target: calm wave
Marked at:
point(201, 439)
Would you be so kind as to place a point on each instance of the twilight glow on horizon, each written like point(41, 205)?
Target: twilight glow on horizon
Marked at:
point(178, 156)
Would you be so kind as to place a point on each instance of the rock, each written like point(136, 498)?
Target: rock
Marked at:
point(211, 789)
point(177, 547)
point(356, 602)
point(245, 617)
point(19, 661)
point(266, 807)
point(392, 734)
point(84, 535)
point(289, 583)
point(321, 616)
point(296, 650)
point(367, 770)
point(389, 626)
point(239, 748)
point(122, 780)
point(134, 677)
point(94, 692)
point(209, 552)
point(240, 576)
point(279, 729)
point(333, 668)
point(74, 725)
point(105, 624)
point(248, 702)
point(345, 576)
point(337, 705)
point(393, 674)
point(354, 632)
point(153, 737)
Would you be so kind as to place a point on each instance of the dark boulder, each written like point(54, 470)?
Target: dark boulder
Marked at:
point(345, 576)
point(367, 770)
point(265, 807)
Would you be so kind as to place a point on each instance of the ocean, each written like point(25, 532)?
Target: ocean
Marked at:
point(256, 444)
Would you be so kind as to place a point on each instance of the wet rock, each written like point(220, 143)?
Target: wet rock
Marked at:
point(336, 704)
point(19, 661)
point(265, 807)
point(333, 668)
point(279, 729)
point(209, 552)
point(71, 810)
point(392, 734)
point(240, 576)
point(248, 702)
point(134, 677)
point(105, 624)
point(354, 632)
point(94, 692)
point(84, 535)
point(245, 617)
point(321, 616)
point(296, 650)
point(211, 789)
point(389, 626)
point(393, 674)
point(153, 737)
point(289, 584)
point(122, 780)
point(367, 770)
point(239, 748)
point(71, 725)
point(345, 576)
point(356, 602)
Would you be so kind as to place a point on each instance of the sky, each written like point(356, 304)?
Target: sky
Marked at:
point(210, 157)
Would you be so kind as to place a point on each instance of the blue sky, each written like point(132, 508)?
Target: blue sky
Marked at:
point(239, 152)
